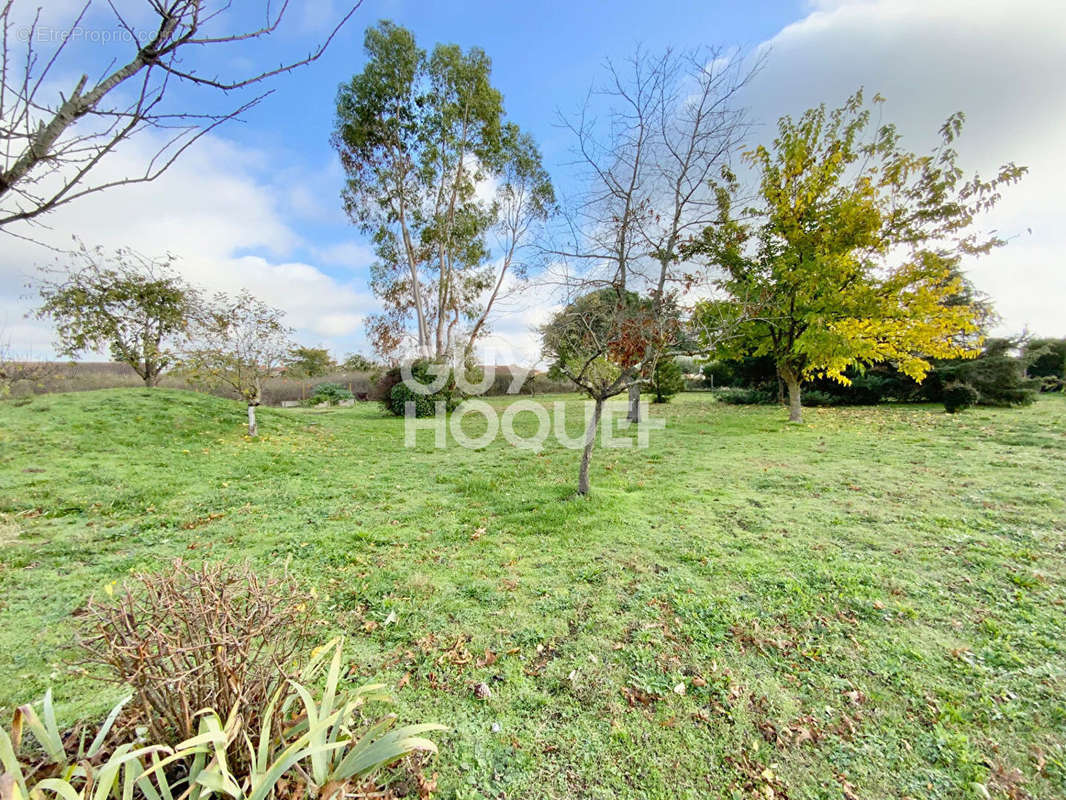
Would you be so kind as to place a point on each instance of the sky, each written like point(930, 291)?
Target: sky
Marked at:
point(256, 204)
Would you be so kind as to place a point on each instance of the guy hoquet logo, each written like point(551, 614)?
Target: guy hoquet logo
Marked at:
point(500, 418)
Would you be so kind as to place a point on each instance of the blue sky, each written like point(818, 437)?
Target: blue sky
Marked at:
point(256, 204)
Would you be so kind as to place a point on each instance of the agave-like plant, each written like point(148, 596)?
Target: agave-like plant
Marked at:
point(330, 721)
point(71, 776)
point(323, 749)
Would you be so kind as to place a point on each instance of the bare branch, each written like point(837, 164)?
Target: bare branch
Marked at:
point(51, 148)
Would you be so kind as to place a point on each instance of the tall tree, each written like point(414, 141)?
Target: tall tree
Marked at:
point(668, 127)
point(239, 342)
point(54, 139)
point(422, 139)
point(853, 250)
point(135, 306)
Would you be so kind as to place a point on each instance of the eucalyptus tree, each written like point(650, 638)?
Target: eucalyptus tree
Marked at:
point(136, 307)
point(423, 141)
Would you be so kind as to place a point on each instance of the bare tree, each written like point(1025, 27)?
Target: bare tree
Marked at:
point(239, 342)
point(52, 146)
point(672, 122)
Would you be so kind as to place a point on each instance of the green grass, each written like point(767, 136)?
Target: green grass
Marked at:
point(869, 603)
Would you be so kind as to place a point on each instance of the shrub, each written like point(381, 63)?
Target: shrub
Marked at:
point(332, 393)
point(217, 636)
point(816, 397)
point(959, 396)
point(997, 374)
point(667, 380)
point(744, 397)
point(1051, 383)
point(398, 393)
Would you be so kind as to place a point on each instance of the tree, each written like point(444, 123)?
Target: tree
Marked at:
point(357, 362)
point(135, 306)
point(854, 248)
point(240, 341)
point(53, 146)
point(422, 138)
point(666, 380)
point(671, 122)
point(597, 342)
point(997, 374)
point(1046, 359)
point(309, 362)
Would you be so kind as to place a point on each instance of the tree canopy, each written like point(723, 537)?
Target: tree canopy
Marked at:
point(422, 138)
point(136, 307)
point(309, 362)
point(851, 253)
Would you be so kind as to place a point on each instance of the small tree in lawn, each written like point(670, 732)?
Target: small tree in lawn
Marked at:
point(854, 249)
point(135, 306)
point(240, 341)
point(600, 342)
point(666, 380)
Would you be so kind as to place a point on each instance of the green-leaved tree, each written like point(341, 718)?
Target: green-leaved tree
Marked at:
point(851, 254)
point(423, 140)
point(136, 307)
point(309, 362)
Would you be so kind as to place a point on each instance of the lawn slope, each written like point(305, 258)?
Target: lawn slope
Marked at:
point(869, 605)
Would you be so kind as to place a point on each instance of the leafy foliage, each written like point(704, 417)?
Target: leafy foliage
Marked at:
point(997, 374)
point(666, 380)
point(316, 747)
point(416, 134)
point(600, 340)
point(743, 397)
point(959, 396)
point(309, 362)
point(1046, 359)
point(426, 373)
point(852, 257)
point(332, 393)
point(136, 307)
point(357, 362)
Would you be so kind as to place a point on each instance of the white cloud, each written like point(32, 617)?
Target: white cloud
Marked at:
point(350, 255)
point(223, 224)
point(1000, 63)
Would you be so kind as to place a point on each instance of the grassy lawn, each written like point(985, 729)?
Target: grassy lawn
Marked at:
point(867, 606)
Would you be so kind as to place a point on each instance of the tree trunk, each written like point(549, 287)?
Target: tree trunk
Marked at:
point(590, 442)
point(795, 409)
point(634, 403)
point(253, 426)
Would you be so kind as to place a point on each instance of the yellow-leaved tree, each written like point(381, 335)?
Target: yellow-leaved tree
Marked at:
point(852, 253)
